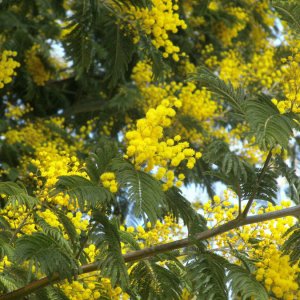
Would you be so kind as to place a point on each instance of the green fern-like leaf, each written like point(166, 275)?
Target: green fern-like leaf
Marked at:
point(267, 125)
point(98, 162)
point(142, 190)
point(7, 283)
point(45, 253)
point(68, 226)
point(230, 164)
point(110, 260)
point(266, 189)
point(235, 98)
point(152, 281)
point(292, 245)
point(121, 49)
point(53, 232)
point(288, 12)
point(243, 284)
point(294, 181)
point(83, 191)
point(208, 275)
point(54, 293)
point(17, 195)
point(181, 207)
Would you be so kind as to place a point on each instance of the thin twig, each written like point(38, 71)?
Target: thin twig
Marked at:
point(260, 177)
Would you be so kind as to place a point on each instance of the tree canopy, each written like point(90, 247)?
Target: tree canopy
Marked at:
point(111, 111)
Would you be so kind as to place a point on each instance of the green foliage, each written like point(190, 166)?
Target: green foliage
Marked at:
point(121, 49)
point(267, 125)
point(152, 281)
point(230, 164)
point(208, 277)
point(141, 189)
point(215, 278)
point(83, 191)
point(265, 186)
point(242, 283)
point(68, 226)
point(96, 81)
point(181, 208)
point(235, 98)
point(110, 260)
point(17, 195)
point(292, 245)
point(288, 11)
point(80, 44)
point(293, 180)
point(53, 233)
point(99, 162)
point(45, 253)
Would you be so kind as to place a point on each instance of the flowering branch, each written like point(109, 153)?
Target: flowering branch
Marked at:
point(151, 251)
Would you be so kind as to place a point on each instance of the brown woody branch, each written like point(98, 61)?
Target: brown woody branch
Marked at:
point(151, 251)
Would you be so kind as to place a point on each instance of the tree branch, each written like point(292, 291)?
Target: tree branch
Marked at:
point(254, 192)
point(151, 251)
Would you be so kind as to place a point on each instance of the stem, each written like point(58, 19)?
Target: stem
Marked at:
point(151, 251)
point(85, 241)
point(254, 192)
point(22, 224)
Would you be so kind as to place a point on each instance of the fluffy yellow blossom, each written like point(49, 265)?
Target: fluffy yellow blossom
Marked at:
point(290, 84)
point(158, 21)
point(109, 181)
point(4, 263)
point(227, 34)
point(92, 286)
point(277, 273)
point(158, 233)
point(274, 269)
point(35, 66)
point(146, 145)
point(187, 98)
point(17, 111)
point(7, 67)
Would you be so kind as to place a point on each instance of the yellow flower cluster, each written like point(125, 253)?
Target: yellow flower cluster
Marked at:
point(36, 67)
point(232, 68)
point(277, 274)
point(197, 103)
point(227, 34)
point(193, 102)
point(158, 21)
point(109, 181)
point(52, 156)
point(274, 269)
point(290, 84)
point(7, 67)
point(213, 5)
point(19, 216)
point(79, 221)
point(263, 68)
point(49, 217)
point(32, 134)
point(187, 67)
point(4, 263)
point(92, 286)
point(17, 111)
point(148, 147)
point(160, 232)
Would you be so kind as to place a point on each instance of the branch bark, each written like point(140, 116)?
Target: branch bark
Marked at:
point(151, 251)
